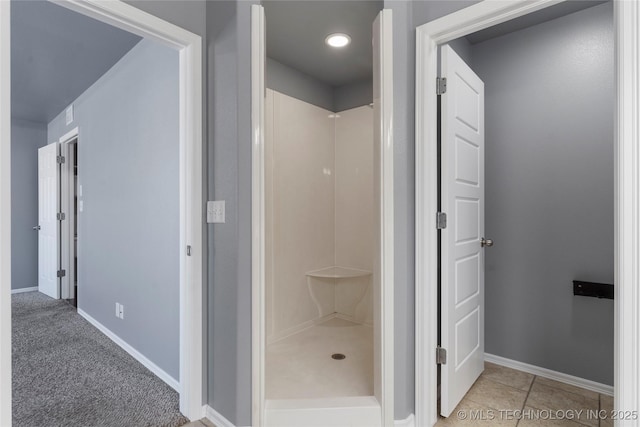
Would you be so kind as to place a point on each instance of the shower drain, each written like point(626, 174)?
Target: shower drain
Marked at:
point(338, 356)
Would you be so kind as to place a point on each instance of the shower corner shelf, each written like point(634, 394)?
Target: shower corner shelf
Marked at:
point(336, 272)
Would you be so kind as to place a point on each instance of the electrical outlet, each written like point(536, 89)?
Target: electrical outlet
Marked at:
point(215, 212)
point(119, 311)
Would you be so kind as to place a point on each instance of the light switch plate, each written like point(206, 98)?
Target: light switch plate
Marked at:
point(215, 212)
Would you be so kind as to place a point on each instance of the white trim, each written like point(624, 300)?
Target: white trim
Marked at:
point(220, 421)
point(410, 421)
point(67, 254)
point(216, 417)
point(627, 209)
point(548, 373)
point(258, 223)
point(128, 18)
point(67, 137)
point(627, 193)
point(353, 411)
point(5, 213)
point(385, 235)
point(23, 290)
point(157, 371)
point(386, 209)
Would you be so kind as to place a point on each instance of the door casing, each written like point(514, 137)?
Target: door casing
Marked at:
point(129, 18)
point(627, 193)
point(384, 363)
point(67, 195)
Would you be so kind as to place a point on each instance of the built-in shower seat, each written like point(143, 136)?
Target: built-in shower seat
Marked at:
point(341, 291)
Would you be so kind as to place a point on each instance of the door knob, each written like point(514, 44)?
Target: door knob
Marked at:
point(37, 227)
point(486, 242)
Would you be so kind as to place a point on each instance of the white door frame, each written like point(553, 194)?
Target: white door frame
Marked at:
point(67, 193)
point(134, 20)
point(258, 217)
point(5, 214)
point(627, 193)
point(386, 236)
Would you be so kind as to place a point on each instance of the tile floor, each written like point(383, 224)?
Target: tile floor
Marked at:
point(301, 367)
point(507, 397)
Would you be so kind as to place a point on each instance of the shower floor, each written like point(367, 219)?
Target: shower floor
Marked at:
point(301, 367)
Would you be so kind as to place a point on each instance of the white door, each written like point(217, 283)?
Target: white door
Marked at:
point(49, 233)
point(462, 197)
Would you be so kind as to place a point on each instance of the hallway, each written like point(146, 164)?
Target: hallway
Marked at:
point(67, 373)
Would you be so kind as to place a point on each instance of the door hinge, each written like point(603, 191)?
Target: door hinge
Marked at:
point(188, 250)
point(60, 216)
point(441, 85)
point(62, 273)
point(441, 356)
point(441, 220)
point(60, 159)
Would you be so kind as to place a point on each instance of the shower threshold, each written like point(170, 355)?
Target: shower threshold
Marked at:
point(321, 412)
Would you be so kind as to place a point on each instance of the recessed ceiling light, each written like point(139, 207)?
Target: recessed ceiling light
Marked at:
point(338, 40)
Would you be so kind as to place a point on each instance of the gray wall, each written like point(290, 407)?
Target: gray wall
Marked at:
point(56, 54)
point(352, 95)
point(229, 118)
point(26, 138)
point(549, 191)
point(296, 84)
point(189, 14)
point(222, 339)
point(406, 16)
point(192, 15)
point(403, 119)
point(129, 229)
point(463, 48)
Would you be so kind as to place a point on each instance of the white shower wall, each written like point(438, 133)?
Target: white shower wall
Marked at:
point(319, 184)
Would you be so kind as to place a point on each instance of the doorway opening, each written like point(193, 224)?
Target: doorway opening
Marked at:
point(323, 209)
point(70, 206)
point(430, 37)
point(185, 47)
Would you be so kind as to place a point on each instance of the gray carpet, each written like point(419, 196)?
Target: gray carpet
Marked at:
point(67, 373)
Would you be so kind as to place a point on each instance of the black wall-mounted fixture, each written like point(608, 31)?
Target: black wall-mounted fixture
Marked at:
point(591, 289)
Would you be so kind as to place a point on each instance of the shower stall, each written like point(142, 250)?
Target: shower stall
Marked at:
point(319, 250)
point(322, 214)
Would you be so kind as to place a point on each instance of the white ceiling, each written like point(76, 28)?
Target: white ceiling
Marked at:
point(56, 54)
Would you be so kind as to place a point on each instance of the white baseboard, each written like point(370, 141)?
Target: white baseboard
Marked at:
point(171, 382)
point(552, 375)
point(410, 421)
point(220, 421)
point(21, 290)
point(216, 417)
